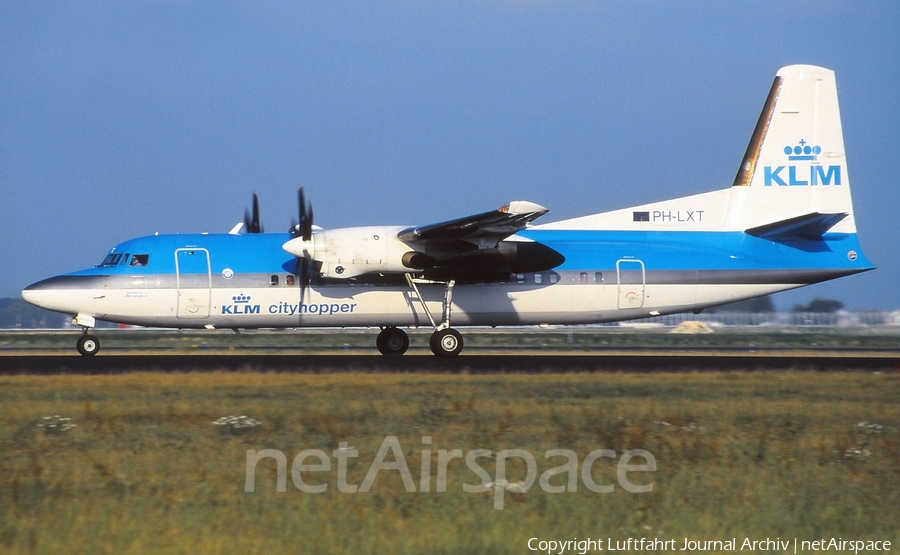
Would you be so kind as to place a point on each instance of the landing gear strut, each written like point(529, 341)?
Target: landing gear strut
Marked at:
point(445, 341)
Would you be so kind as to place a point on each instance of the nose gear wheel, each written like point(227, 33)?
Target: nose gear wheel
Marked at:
point(88, 345)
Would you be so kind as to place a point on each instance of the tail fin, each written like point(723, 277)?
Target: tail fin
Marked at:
point(793, 179)
point(795, 164)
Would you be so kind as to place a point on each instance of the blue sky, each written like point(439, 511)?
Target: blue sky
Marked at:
point(120, 119)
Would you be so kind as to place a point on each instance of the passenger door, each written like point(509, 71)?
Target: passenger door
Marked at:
point(193, 279)
point(631, 276)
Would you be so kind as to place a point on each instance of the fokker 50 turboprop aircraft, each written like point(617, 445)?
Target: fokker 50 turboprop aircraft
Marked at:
point(787, 221)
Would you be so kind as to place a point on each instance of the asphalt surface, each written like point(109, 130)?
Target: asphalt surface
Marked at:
point(637, 361)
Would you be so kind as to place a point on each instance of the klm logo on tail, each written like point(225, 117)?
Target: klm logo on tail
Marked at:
point(802, 175)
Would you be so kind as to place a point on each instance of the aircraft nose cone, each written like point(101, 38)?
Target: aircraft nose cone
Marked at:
point(63, 293)
point(34, 294)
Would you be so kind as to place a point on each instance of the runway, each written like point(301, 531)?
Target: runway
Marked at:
point(643, 360)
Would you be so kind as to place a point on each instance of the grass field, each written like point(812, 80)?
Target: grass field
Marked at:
point(145, 469)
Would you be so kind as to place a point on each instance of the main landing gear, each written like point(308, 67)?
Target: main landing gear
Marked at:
point(392, 341)
point(445, 341)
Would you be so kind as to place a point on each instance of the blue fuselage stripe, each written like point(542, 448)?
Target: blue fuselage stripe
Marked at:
point(583, 251)
point(700, 250)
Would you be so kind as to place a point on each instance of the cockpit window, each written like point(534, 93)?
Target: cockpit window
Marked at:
point(111, 259)
point(119, 259)
point(140, 260)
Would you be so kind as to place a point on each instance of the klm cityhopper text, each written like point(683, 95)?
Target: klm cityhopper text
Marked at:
point(242, 305)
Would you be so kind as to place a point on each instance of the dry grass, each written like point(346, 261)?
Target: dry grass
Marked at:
point(145, 471)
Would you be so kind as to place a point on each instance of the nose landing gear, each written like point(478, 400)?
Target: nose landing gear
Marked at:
point(87, 344)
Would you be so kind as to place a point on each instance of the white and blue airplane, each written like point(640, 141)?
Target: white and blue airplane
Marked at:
point(787, 221)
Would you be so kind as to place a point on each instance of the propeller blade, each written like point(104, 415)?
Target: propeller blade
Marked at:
point(305, 216)
point(301, 270)
point(303, 228)
point(307, 228)
point(304, 276)
point(301, 203)
point(251, 221)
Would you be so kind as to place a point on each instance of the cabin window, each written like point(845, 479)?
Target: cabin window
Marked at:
point(140, 260)
point(538, 278)
point(520, 278)
point(554, 277)
point(289, 280)
point(583, 277)
point(274, 280)
point(598, 277)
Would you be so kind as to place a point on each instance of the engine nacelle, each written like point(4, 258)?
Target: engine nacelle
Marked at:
point(354, 251)
point(350, 252)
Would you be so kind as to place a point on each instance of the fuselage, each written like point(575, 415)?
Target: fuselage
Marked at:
point(786, 221)
point(249, 281)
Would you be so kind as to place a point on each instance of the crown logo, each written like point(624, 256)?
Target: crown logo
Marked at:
point(803, 151)
point(241, 298)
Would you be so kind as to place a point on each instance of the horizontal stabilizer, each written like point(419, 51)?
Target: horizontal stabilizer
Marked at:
point(810, 227)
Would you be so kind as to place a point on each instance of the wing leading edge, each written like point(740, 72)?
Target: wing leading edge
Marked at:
point(483, 230)
point(473, 247)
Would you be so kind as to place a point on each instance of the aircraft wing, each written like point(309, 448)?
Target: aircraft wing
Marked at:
point(483, 230)
point(470, 248)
